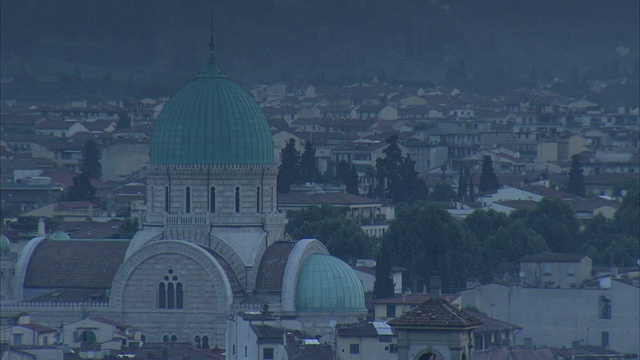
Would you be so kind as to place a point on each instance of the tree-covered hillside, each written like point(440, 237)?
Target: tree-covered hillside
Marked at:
point(149, 48)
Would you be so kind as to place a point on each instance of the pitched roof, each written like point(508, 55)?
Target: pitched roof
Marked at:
point(436, 313)
point(75, 264)
point(490, 324)
point(268, 332)
point(37, 327)
point(369, 329)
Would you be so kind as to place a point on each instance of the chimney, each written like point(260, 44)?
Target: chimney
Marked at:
point(41, 229)
point(436, 287)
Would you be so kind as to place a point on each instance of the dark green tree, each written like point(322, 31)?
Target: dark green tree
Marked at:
point(127, 229)
point(342, 171)
point(508, 244)
point(288, 172)
point(442, 192)
point(556, 222)
point(397, 177)
point(576, 179)
point(352, 181)
point(628, 213)
point(596, 236)
point(124, 121)
point(91, 160)
point(462, 185)
point(424, 239)
point(488, 179)
point(81, 190)
point(388, 168)
point(383, 286)
point(308, 170)
point(343, 237)
point(472, 193)
point(410, 187)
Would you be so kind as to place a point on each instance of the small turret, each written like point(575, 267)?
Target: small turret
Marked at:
point(41, 229)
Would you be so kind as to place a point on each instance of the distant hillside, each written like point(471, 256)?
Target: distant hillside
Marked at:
point(148, 48)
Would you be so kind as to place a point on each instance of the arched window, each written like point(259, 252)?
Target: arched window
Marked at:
point(166, 199)
point(170, 292)
point(205, 342)
point(165, 338)
point(162, 295)
point(187, 200)
point(143, 338)
point(237, 199)
point(174, 338)
point(196, 341)
point(212, 200)
point(88, 337)
point(179, 296)
point(171, 296)
point(258, 199)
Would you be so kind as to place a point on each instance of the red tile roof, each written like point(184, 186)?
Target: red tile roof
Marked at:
point(436, 313)
point(75, 264)
point(272, 267)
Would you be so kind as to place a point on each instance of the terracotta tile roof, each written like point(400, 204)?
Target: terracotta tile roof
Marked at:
point(436, 313)
point(272, 266)
point(37, 327)
point(553, 257)
point(518, 204)
point(592, 204)
point(231, 275)
point(490, 324)
point(364, 330)
point(73, 295)
point(268, 332)
point(75, 264)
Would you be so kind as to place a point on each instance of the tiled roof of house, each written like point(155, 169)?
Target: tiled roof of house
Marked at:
point(108, 322)
point(490, 324)
point(75, 264)
point(518, 204)
point(272, 267)
point(582, 205)
point(268, 332)
point(369, 329)
point(553, 257)
point(436, 313)
point(37, 327)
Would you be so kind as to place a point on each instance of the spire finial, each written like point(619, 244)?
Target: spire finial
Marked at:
point(212, 68)
point(212, 44)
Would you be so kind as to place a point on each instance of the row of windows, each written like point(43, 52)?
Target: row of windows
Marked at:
point(201, 342)
point(212, 199)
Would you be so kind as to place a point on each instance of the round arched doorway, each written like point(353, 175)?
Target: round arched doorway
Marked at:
point(431, 356)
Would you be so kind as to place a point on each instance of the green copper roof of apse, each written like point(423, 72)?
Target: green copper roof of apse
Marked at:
point(327, 284)
point(211, 120)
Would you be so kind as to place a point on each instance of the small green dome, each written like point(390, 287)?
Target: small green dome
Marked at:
point(59, 235)
point(5, 245)
point(327, 284)
point(211, 120)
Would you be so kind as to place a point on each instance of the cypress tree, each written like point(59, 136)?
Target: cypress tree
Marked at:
point(576, 179)
point(91, 160)
point(488, 179)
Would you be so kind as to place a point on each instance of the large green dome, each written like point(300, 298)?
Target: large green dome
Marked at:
point(211, 120)
point(327, 284)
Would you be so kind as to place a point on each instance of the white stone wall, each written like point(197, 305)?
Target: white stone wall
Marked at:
point(556, 317)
